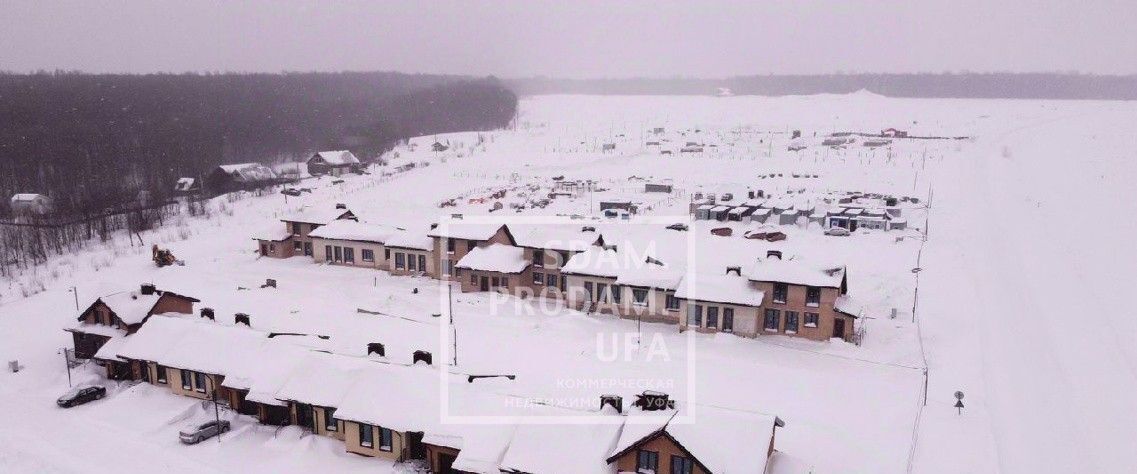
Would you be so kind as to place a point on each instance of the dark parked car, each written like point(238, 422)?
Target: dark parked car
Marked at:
point(194, 434)
point(80, 395)
point(290, 192)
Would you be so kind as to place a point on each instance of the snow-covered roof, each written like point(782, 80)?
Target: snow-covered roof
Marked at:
point(714, 438)
point(339, 157)
point(214, 349)
point(273, 233)
point(315, 215)
point(481, 446)
point(322, 379)
point(184, 184)
point(848, 305)
point(110, 349)
point(495, 258)
point(159, 335)
point(561, 237)
point(262, 375)
point(97, 329)
point(131, 307)
point(596, 261)
point(394, 397)
point(346, 229)
point(561, 448)
point(462, 230)
point(652, 276)
point(25, 197)
point(796, 271)
point(249, 172)
point(409, 239)
point(730, 289)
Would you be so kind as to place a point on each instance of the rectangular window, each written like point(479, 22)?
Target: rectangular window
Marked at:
point(682, 465)
point(450, 245)
point(422, 263)
point(647, 462)
point(712, 316)
point(588, 290)
point(272, 247)
point(494, 282)
point(400, 261)
point(298, 246)
point(564, 283)
point(330, 419)
point(505, 282)
point(349, 254)
point(447, 267)
point(366, 438)
point(551, 280)
point(811, 320)
point(328, 253)
point(538, 258)
point(728, 319)
point(471, 245)
point(187, 380)
point(368, 255)
point(672, 302)
point(772, 317)
point(473, 278)
point(694, 315)
point(812, 296)
point(601, 293)
point(639, 296)
point(295, 228)
point(564, 259)
point(199, 382)
point(161, 374)
point(780, 292)
point(384, 439)
point(617, 293)
point(338, 253)
point(791, 321)
point(412, 264)
point(538, 278)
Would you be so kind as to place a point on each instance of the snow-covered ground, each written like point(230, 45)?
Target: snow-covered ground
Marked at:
point(1021, 293)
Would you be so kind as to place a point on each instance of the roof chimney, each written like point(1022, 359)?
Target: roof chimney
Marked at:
point(734, 270)
point(241, 318)
point(653, 401)
point(614, 401)
point(376, 348)
point(148, 288)
point(207, 313)
point(340, 205)
point(422, 356)
point(774, 254)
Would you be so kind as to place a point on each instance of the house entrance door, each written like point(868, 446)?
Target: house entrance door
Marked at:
point(307, 249)
point(485, 284)
point(839, 328)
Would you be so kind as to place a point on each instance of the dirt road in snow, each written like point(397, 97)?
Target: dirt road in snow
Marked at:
point(1026, 302)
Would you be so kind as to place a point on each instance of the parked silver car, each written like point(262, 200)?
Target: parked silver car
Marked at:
point(194, 434)
point(837, 231)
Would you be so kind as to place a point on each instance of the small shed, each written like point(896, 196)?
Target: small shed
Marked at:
point(703, 212)
point(31, 204)
point(657, 188)
point(186, 186)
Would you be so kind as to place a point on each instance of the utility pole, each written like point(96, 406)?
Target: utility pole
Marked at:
point(217, 415)
point(67, 363)
point(450, 311)
point(75, 292)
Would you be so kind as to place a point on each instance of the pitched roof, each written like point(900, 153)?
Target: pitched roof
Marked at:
point(316, 215)
point(346, 229)
point(796, 271)
point(249, 172)
point(457, 229)
point(131, 307)
point(394, 397)
point(495, 258)
point(339, 157)
point(577, 448)
point(561, 237)
point(714, 438)
point(730, 289)
point(408, 239)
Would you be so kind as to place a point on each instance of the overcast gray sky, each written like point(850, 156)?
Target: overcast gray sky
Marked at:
point(572, 39)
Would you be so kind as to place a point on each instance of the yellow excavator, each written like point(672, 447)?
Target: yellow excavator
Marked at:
point(163, 257)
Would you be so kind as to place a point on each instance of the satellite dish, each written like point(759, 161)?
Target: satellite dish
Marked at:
point(958, 395)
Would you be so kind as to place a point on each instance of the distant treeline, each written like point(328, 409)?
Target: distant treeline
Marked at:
point(95, 141)
point(978, 86)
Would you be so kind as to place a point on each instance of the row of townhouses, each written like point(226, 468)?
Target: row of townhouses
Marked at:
point(573, 262)
point(380, 405)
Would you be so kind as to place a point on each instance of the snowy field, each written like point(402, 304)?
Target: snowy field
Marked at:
point(1021, 301)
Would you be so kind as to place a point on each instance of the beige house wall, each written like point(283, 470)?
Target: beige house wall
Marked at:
point(174, 380)
point(320, 254)
point(431, 262)
point(272, 249)
point(351, 441)
point(461, 248)
point(321, 424)
point(747, 319)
